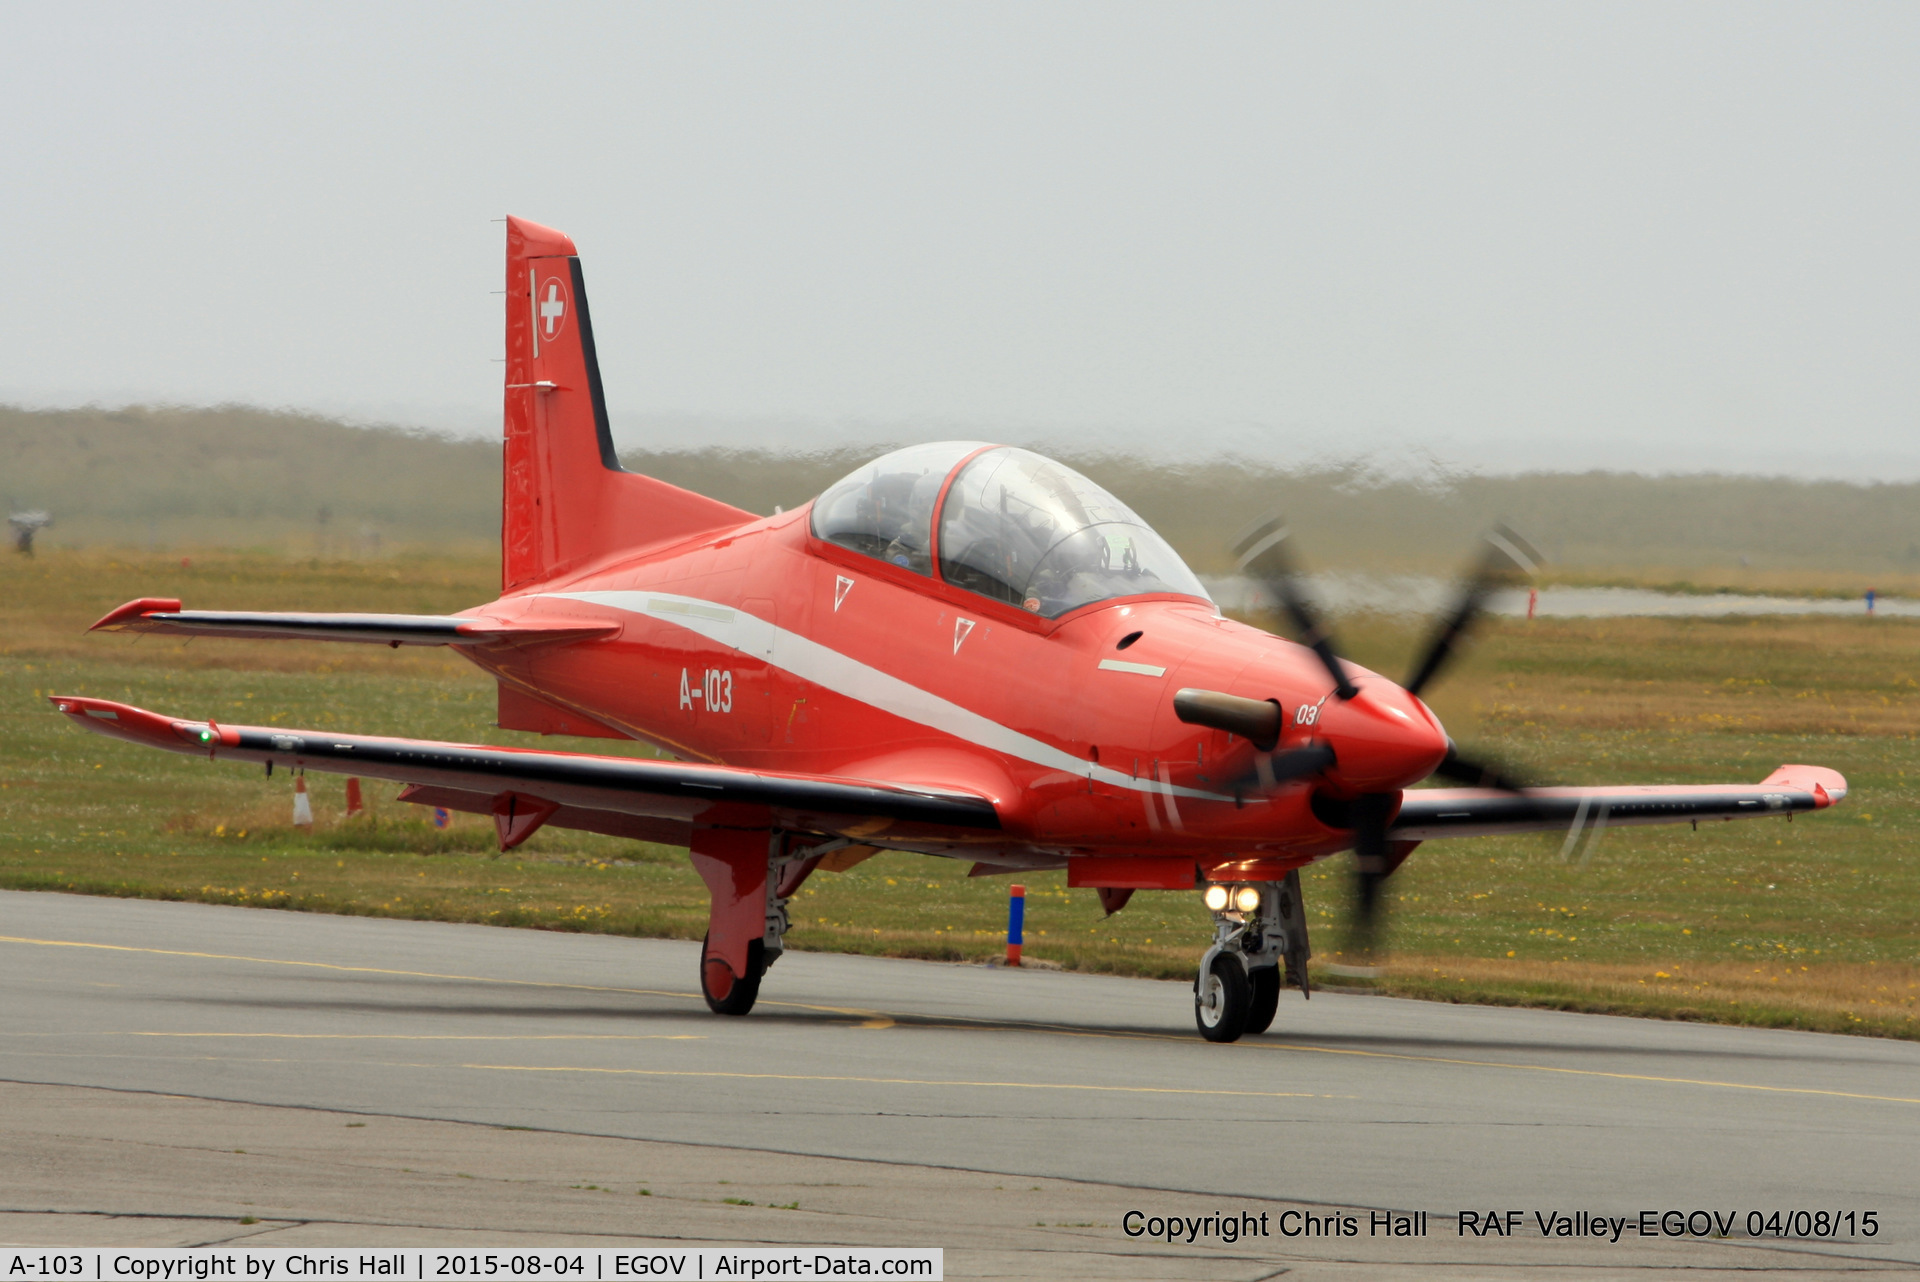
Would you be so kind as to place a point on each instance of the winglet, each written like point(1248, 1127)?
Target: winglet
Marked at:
point(128, 617)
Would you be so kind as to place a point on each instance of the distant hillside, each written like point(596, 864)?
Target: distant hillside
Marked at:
point(234, 476)
point(241, 477)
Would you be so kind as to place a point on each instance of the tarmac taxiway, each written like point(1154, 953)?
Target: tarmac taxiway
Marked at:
point(379, 1074)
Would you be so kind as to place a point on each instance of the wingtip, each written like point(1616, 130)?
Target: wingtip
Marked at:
point(79, 707)
point(1829, 787)
point(124, 721)
point(123, 618)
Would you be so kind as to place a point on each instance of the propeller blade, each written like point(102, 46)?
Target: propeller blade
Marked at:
point(1296, 763)
point(1371, 866)
point(1476, 774)
point(1506, 558)
point(1263, 557)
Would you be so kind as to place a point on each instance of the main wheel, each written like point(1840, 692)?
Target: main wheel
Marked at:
point(1266, 998)
point(1221, 999)
point(726, 992)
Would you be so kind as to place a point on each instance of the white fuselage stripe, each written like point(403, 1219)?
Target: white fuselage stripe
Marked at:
point(810, 661)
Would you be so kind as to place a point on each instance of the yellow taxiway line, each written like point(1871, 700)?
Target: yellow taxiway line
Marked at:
point(896, 1081)
point(873, 1019)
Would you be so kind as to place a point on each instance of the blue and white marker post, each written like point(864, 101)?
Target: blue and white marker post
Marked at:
point(1870, 595)
point(1016, 922)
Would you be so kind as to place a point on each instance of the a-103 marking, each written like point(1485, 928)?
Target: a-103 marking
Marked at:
point(714, 693)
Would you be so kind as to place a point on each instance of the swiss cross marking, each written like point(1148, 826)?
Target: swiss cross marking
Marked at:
point(553, 308)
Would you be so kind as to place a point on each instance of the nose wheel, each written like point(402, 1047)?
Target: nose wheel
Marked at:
point(1223, 999)
point(1265, 1002)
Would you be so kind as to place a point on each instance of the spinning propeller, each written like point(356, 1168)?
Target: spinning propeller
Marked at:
point(1361, 752)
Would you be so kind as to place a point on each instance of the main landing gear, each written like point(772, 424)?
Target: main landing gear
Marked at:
point(1258, 928)
point(750, 875)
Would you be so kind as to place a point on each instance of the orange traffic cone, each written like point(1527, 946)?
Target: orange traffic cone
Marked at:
point(354, 804)
point(302, 807)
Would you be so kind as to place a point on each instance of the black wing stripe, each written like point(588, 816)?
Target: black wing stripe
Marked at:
point(421, 629)
point(470, 766)
point(1421, 819)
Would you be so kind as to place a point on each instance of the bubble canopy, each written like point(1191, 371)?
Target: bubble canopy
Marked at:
point(1014, 526)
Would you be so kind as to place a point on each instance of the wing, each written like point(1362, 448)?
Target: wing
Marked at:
point(164, 615)
point(1427, 813)
point(608, 790)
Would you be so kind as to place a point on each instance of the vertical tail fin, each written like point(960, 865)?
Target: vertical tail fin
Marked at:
point(566, 500)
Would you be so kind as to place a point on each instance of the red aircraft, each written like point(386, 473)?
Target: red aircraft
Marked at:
point(962, 649)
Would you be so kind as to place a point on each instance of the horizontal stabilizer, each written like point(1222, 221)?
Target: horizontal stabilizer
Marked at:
point(153, 614)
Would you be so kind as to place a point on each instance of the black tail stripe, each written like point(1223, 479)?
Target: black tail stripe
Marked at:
point(601, 426)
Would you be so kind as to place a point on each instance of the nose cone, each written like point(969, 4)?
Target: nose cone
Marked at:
point(1384, 738)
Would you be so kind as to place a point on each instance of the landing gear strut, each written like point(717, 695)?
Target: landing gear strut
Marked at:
point(1258, 928)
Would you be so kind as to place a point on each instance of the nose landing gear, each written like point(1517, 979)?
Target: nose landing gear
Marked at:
point(1238, 989)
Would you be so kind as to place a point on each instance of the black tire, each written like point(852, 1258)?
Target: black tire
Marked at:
point(1266, 999)
point(1221, 999)
point(726, 992)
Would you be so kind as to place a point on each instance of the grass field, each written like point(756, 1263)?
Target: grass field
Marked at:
point(1809, 924)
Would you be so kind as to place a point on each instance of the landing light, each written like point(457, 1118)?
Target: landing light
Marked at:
point(1215, 898)
point(1246, 899)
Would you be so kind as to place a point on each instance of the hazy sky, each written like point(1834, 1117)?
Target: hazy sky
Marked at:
point(1650, 236)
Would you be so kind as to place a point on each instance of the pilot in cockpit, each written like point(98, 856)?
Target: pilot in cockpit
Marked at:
point(907, 541)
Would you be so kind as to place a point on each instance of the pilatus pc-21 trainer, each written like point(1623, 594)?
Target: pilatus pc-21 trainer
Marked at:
point(962, 649)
